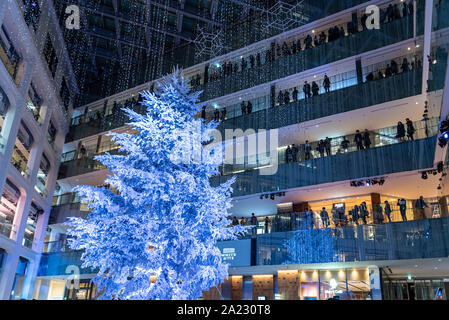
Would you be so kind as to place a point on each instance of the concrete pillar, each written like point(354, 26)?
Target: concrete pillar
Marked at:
point(30, 279)
point(8, 274)
point(443, 207)
point(375, 283)
point(43, 289)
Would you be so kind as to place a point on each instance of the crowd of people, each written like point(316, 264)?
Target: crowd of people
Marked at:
point(313, 89)
point(277, 50)
point(361, 141)
point(337, 218)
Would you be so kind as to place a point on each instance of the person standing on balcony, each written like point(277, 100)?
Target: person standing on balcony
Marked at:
point(295, 94)
point(307, 150)
point(254, 224)
point(327, 144)
point(390, 13)
point(83, 151)
point(345, 144)
point(400, 131)
point(288, 154)
point(321, 147)
point(280, 98)
point(388, 71)
point(267, 224)
point(388, 210)
point(295, 153)
point(358, 139)
point(216, 115)
point(223, 114)
point(355, 215)
point(327, 84)
point(364, 212)
point(335, 217)
point(324, 218)
point(286, 97)
point(235, 222)
point(405, 67)
point(396, 11)
point(322, 38)
point(315, 89)
point(378, 214)
point(380, 75)
point(249, 107)
point(366, 139)
point(403, 209)
point(410, 129)
point(394, 67)
point(420, 205)
point(243, 108)
point(306, 89)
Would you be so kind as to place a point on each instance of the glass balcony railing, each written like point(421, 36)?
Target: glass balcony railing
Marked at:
point(81, 166)
point(402, 157)
point(420, 239)
point(338, 145)
point(350, 98)
point(363, 95)
point(390, 33)
point(94, 123)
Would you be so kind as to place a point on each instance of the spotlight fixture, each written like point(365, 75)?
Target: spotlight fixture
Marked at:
point(261, 197)
point(439, 188)
point(424, 176)
point(435, 172)
point(368, 182)
point(444, 130)
point(272, 196)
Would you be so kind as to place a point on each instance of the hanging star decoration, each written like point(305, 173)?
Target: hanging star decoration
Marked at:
point(284, 16)
point(209, 44)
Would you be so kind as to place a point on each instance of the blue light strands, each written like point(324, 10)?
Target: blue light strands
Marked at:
point(311, 246)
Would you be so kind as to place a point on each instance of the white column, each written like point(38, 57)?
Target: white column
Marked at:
point(30, 279)
point(8, 274)
point(427, 44)
point(375, 286)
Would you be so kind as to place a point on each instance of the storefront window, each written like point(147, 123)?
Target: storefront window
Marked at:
point(86, 291)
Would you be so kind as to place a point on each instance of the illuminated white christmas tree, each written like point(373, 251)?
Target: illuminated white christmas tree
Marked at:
point(155, 238)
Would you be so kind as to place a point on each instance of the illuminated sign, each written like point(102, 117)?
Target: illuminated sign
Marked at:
point(236, 253)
